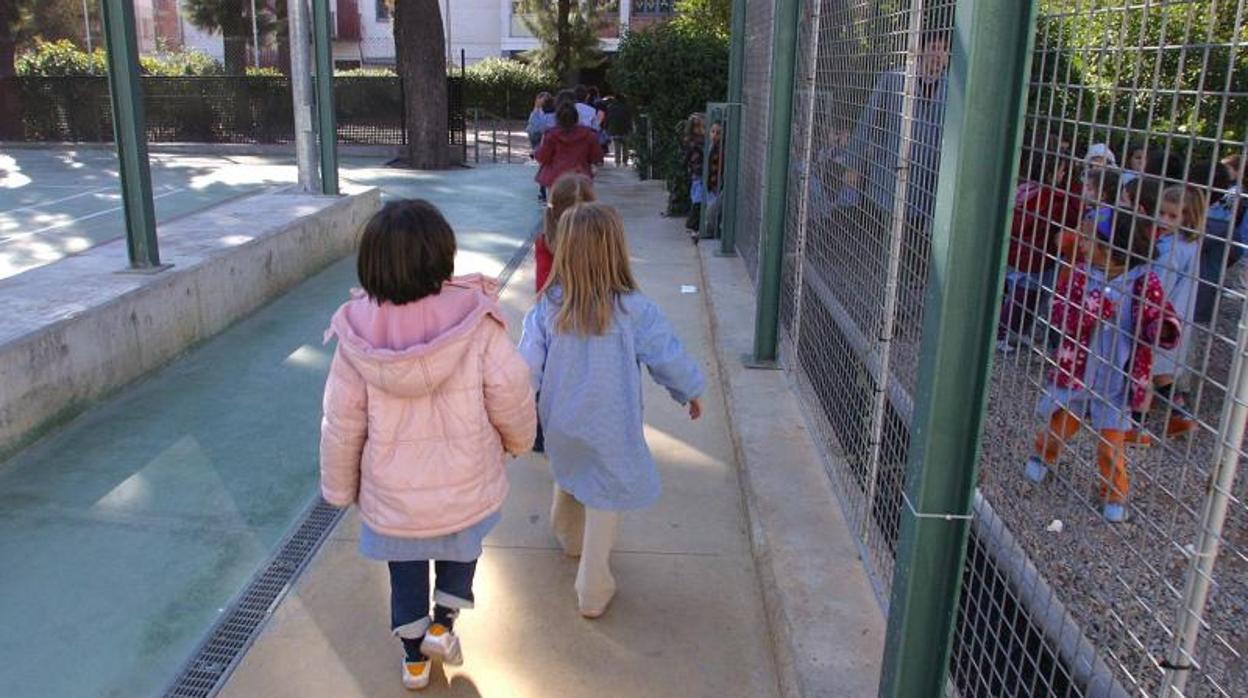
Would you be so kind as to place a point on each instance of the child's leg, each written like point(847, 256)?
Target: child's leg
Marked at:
point(409, 604)
point(1051, 439)
point(452, 591)
point(567, 522)
point(1111, 458)
point(595, 584)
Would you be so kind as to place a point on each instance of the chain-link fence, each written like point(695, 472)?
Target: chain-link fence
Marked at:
point(754, 112)
point(1109, 546)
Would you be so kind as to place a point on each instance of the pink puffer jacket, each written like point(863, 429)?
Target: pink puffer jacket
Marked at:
point(422, 401)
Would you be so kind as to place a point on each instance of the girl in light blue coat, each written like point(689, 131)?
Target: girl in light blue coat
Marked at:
point(1181, 218)
point(585, 342)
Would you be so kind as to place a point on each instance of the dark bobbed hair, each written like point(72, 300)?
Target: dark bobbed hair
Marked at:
point(1145, 193)
point(1044, 160)
point(1132, 242)
point(581, 92)
point(566, 115)
point(407, 252)
point(548, 104)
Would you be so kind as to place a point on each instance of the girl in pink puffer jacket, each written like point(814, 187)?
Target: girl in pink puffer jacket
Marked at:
point(425, 397)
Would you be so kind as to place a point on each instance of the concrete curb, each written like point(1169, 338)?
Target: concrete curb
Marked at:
point(825, 622)
point(76, 330)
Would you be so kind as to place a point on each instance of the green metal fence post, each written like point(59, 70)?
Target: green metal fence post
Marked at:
point(990, 46)
point(130, 132)
point(326, 120)
point(771, 256)
point(732, 132)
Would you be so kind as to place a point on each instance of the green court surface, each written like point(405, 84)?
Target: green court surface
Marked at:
point(57, 202)
point(124, 535)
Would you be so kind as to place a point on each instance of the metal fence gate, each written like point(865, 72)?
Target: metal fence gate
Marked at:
point(1103, 393)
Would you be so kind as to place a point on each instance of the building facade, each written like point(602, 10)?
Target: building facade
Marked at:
point(363, 30)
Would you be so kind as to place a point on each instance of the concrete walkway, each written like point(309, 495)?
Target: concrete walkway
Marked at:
point(688, 620)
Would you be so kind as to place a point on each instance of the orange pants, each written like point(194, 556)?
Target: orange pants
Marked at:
point(1111, 454)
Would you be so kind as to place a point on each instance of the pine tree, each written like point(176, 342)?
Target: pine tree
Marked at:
point(568, 32)
point(232, 18)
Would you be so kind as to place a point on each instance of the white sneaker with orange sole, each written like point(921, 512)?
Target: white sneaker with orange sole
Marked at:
point(441, 642)
point(416, 674)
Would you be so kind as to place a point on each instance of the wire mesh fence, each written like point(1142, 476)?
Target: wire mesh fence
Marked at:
point(1108, 553)
point(756, 97)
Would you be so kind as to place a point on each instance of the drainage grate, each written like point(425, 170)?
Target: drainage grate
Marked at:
point(229, 639)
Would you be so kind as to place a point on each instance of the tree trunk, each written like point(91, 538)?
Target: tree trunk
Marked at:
point(563, 57)
point(10, 106)
point(420, 48)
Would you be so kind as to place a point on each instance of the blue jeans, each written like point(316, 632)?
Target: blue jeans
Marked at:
point(409, 593)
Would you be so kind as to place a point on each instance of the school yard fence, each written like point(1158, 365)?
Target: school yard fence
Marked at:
point(253, 109)
point(1054, 600)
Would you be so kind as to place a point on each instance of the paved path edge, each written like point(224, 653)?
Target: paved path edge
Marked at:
point(826, 624)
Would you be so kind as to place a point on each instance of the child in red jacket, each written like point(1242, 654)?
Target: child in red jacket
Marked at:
point(1045, 212)
point(568, 190)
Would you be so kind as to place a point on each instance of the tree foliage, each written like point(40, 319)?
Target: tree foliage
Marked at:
point(1177, 89)
point(669, 73)
point(711, 17)
point(567, 32)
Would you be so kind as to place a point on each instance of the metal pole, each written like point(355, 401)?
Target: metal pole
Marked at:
point(255, 36)
point(991, 48)
point(326, 120)
point(86, 26)
point(771, 258)
point(301, 89)
point(732, 134)
point(1202, 556)
point(892, 278)
point(129, 130)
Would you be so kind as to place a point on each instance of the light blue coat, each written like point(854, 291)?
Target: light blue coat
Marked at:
point(1178, 267)
point(590, 404)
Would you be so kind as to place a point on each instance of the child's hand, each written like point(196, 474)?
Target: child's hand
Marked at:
point(695, 408)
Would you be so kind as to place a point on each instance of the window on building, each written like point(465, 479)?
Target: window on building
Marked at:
point(383, 10)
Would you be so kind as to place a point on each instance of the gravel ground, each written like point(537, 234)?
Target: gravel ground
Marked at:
point(1124, 583)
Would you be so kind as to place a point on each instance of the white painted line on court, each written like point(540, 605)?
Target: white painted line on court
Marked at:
point(57, 201)
point(97, 214)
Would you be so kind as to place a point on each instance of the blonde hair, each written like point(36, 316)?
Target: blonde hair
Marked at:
point(1191, 201)
point(569, 190)
point(591, 267)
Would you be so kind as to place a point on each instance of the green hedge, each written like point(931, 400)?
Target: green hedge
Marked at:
point(505, 87)
point(669, 74)
point(58, 59)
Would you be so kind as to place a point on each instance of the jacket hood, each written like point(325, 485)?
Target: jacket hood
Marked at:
point(410, 350)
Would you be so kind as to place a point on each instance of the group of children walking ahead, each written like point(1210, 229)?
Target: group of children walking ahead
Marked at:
point(427, 396)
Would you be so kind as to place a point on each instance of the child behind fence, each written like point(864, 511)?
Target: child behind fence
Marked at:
point(1045, 212)
point(1111, 311)
point(694, 145)
point(1181, 217)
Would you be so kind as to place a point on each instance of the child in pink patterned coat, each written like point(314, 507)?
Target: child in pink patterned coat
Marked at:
point(1111, 311)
